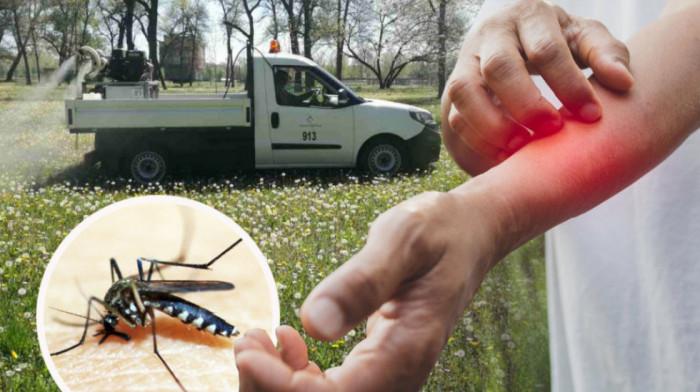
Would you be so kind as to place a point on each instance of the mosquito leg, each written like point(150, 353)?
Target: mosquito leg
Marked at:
point(197, 266)
point(150, 272)
point(87, 321)
point(137, 297)
point(155, 350)
point(139, 264)
point(223, 253)
point(107, 334)
point(115, 268)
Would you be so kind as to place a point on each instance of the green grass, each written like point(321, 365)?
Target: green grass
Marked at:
point(307, 222)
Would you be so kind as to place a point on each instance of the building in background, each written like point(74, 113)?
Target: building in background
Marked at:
point(182, 58)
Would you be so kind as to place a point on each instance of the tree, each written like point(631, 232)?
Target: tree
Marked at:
point(303, 20)
point(129, 23)
point(197, 21)
point(150, 8)
point(272, 9)
point(307, 10)
point(184, 24)
point(341, 23)
point(449, 26)
point(293, 22)
point(231, 16)
point(387, 35)
point(23, 17)
point(5, 19)
point(112, 14)
point(69, 26)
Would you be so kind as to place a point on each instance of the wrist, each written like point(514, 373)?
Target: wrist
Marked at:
point(491, 218)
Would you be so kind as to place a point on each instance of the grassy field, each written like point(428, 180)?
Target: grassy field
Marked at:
point(307, 222)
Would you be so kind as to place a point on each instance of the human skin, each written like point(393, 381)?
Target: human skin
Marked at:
point(491, 84)
point(425, 258)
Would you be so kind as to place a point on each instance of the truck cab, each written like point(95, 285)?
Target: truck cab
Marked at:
point(297, 115)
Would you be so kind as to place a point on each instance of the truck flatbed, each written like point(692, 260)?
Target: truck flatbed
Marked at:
point(87, 116)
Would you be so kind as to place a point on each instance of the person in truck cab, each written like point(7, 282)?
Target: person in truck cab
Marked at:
point(287, 98)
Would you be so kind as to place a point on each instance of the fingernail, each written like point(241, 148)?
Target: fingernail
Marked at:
point(590, 112)
point(326, 317)
point(618, 63)
point(622, 67)
point(552, 126)
point(502, 156)
point(516, 142)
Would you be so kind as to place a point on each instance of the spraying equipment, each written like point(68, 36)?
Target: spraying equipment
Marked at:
point(296, 115)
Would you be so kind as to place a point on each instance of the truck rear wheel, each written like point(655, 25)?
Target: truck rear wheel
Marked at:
point(382, 157)
point(146, 165)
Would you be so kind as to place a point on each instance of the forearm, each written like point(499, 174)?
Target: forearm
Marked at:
point(563, 175)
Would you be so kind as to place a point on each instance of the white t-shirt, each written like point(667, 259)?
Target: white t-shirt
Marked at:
point(624, 278)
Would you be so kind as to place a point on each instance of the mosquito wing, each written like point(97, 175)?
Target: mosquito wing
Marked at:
point(183, 286)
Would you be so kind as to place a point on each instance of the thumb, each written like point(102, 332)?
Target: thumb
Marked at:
point(399, 245)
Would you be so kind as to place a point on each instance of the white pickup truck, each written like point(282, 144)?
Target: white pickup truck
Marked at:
point(296, 115)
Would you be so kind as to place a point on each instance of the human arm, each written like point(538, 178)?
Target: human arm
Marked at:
point(425, 258)
point(491, 85)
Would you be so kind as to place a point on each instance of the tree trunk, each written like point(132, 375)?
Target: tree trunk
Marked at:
point(36, 57)
point(341, 21)
point(340, 35)
point(442, 48)
point(27, 70)
point(13, 66)
point(122, 31)
point(339, 60)
point(294, 37)
point(22, 47)
point(152, 38)
point(307, 11)
point(293, 26)
point(193, 59)
point(129, 23)
point(229, 58)
point(275, 22)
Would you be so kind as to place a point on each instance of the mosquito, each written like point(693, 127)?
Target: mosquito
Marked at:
point(134, 298)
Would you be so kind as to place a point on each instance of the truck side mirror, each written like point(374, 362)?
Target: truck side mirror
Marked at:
point(343, 97)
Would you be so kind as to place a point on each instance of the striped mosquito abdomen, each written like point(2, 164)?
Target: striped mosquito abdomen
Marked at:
point(189, 313)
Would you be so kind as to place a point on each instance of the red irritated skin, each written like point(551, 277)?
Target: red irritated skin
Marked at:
point(491, 86)
point(425, 258)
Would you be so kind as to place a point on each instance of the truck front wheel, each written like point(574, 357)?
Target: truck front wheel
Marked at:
point(146, 165)
point(382, 157)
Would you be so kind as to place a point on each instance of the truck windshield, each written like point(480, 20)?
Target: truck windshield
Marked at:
point(337, 83)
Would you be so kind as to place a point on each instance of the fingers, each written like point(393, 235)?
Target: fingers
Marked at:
point(263, 368)
point(503, 69)
point(481, 124)
point(293, 350)
point(396, 356)
point(259, 340)
point(400, 244)
point(546, 49)
point(608, 57)
point(468, 160)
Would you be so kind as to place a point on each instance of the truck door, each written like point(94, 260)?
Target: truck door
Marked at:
point(308, 124)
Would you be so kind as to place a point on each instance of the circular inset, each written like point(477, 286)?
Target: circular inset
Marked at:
point(195, 310)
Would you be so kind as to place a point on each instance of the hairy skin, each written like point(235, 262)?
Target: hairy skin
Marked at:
point(425, 258)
